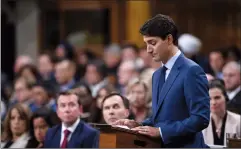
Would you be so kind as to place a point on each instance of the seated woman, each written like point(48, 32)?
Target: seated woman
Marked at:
point(16, 127)
point(41, 120)
point(137, 93)
point(221, 121)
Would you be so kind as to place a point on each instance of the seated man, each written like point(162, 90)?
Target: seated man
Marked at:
point(72, 133)
point(115, 107)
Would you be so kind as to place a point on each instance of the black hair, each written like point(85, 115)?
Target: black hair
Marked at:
point(47, 114)
point(67, 93)
point(124, 99)
point(160, 26)
point(100, 67)
point(49, 88)
point(219, 83)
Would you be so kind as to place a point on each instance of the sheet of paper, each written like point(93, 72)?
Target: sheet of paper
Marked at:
point(122, 126)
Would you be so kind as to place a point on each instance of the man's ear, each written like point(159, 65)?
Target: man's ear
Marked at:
point(81, 109)
point(169, 39)
point(127, 113)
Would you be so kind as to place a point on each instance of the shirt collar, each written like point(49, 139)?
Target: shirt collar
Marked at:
point(233, 93)
point(72, 127)
point(172, 60)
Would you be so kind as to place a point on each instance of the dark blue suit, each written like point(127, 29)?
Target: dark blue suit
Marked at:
point(182, 109)
point(84, 136)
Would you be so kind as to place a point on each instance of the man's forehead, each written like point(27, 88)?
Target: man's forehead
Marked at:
point(69, 97)
point(149, 38)
point(113, 100)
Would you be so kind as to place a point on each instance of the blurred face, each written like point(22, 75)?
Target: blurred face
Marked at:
point(101, 96)
point(125, 73)
point(138, 95)
point(39, 95)
point(128, 54)
point(68, 109)
point(40, 128)
point(28, 75)
point(157, 48)
point(216, 61)
point(45, 65)
point(114, 109)
point(92, 76)
point(17, 123)
point(111, 59)
point(63, 73)
point(82, 58)
point(21, 91)
point(217, 103)
point(60, 52)
point(231, 78)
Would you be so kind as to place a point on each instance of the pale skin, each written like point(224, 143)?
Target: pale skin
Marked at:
point(218, 108)
point(161, 51)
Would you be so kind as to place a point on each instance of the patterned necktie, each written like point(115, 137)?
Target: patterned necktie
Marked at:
point(65, 141)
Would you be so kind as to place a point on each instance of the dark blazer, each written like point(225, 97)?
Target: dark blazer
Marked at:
point(182, 110)
point(84, 136)
point(234, 105)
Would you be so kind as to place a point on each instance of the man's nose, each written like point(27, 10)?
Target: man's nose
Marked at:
point(111, 112)
point(148, 49)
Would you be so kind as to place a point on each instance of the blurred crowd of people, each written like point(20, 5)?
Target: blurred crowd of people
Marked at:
point(115, 86)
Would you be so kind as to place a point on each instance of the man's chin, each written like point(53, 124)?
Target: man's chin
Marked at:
point(156, 59)
point(113, 120)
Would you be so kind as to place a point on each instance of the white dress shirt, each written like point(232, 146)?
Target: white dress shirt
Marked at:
point(71, 129)
point(233, 93)
point(170, 63)
point(169, 66)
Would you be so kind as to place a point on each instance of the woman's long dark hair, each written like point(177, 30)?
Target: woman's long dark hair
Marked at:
point(47, 114)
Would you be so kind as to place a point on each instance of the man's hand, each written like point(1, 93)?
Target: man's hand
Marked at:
point(126, 122)
point(147, 130)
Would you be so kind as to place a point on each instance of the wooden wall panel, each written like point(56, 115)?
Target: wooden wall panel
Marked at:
point(216, 23)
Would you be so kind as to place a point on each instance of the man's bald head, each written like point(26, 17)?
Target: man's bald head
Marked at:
point(231, 75)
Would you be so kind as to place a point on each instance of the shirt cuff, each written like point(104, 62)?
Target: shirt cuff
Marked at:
point(161, 133)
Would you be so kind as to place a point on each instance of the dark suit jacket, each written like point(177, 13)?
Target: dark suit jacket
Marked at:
point(234, 105)
point(182, 110)
point(84, 136)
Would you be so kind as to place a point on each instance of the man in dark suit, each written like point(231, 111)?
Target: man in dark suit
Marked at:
point(231, 77)
point(180, 99)
point(72, 133)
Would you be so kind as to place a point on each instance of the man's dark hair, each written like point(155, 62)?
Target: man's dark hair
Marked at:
point(67, 93)
point(100, 67)
point(124, 99)
point(160, 26)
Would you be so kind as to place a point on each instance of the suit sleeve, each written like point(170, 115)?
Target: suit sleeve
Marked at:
point(46, 139)
point(198, 103)
point(93, 140)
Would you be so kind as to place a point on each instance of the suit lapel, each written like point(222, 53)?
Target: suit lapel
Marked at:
point(75, 136)
point(156, 88)
point(56, 138)
point(168, 83)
